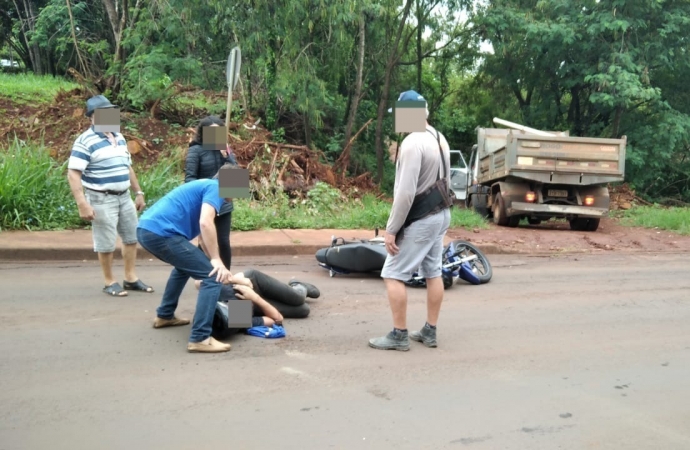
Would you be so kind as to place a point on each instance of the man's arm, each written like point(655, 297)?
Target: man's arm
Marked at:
point(410, 166)
point(74, 179)
point(139, 201)
point(133, 181)
point(209, 237)
point(85, 210)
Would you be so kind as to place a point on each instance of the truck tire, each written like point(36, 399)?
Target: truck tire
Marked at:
point(500, 216)
point(479, 206)
point(592, 224)
point(582, 224)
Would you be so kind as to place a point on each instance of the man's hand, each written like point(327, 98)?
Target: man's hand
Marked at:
point(244, 292)
point(391, 248)
point(86, 212)
point(223, 275)
point(139, 202)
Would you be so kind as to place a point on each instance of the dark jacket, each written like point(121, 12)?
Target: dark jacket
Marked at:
point(201, 163)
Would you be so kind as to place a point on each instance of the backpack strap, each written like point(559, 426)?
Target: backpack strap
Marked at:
point(440, 150)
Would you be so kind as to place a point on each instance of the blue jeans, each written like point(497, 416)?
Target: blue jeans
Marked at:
point(188, 261)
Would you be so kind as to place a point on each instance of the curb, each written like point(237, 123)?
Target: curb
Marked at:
point(87, 254)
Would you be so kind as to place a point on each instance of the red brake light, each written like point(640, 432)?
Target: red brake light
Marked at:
point(589, 200)
point(530, 197)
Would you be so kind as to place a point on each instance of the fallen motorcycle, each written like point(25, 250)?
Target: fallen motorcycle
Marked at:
point(461, 260)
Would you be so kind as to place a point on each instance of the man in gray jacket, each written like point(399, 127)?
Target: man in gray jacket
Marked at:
point(424, 158)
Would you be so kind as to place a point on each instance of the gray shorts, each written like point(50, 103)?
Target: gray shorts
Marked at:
point(115, 214)
point(420, 249)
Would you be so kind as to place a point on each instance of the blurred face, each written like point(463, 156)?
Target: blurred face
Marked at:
point(214, 137)
point(106, 120)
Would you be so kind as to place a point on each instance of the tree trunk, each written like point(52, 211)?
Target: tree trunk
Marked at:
point(419, 46)
point(27, 19)
point(118, 23)
point(83, 67)
point(358, 87)
point(383, 101)
point(38, 59)
point(617, 122)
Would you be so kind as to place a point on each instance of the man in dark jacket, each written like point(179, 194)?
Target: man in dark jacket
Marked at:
point(204, 158)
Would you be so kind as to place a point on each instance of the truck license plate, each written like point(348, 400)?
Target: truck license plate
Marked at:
point(557, 193)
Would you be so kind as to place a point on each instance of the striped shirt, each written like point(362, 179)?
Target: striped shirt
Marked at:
point(104, 167)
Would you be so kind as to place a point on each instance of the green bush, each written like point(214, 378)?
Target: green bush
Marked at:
point(34, 192)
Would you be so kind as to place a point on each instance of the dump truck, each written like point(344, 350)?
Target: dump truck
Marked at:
point(523, 172)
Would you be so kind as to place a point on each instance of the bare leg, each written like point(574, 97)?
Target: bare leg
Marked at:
point(129, 255)
point(434, 298)
point(106, 260)
point(397, 297)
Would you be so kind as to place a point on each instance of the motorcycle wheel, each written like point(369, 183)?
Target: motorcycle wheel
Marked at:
point(481, 265)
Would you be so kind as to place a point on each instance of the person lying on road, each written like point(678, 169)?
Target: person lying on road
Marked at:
point(272, 300)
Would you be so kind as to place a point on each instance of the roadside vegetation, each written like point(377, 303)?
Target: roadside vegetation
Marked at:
point(671, 219)
point(23, 88)
point(35, 195)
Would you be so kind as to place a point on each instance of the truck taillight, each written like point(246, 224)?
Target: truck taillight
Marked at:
point(589, 200)
point(530, 197)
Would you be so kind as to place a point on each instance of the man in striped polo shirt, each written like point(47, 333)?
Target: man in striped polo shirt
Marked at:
point(100, 175)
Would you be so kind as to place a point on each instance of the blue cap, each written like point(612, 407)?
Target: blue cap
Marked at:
point(408, 96)
point(97, 102)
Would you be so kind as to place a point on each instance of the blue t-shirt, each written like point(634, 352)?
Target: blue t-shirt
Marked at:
point(179, 212)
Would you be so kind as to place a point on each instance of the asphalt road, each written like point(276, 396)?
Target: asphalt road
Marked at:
point(569, 352)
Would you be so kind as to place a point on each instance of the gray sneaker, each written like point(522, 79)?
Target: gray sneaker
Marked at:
point(395, 340)
point(426, 336)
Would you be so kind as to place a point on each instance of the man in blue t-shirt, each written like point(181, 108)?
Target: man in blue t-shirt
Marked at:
point(165, 231)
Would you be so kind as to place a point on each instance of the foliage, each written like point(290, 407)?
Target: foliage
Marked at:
point(34, 192)
point(673, 219)
point(600, 68)
point(35, 195)
point(603, 68)
point(30, 88)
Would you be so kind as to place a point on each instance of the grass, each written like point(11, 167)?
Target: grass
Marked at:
point(35, 195)
point(671, 219)
point(30, 88)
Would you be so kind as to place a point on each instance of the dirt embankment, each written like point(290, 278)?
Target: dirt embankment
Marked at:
point(556, 237)
point(294, 168)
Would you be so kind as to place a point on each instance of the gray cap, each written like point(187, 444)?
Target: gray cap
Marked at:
point(97, 102)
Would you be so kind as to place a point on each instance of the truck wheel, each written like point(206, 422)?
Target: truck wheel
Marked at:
point(503, 219)
point(479, 206)
point(592, 224)
point(500, 217)
point(581, 224)
point(577, 224)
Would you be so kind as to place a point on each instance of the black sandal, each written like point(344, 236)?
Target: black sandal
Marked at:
point(137, 286)
point(115, 290)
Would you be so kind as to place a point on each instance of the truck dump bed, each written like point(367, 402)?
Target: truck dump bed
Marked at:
point(549, 159)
